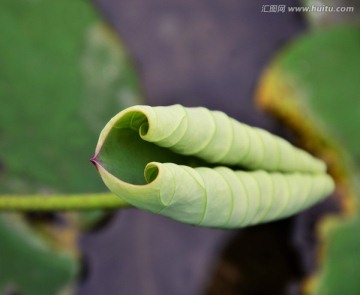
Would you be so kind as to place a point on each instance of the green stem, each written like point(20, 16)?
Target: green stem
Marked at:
point(61, 202)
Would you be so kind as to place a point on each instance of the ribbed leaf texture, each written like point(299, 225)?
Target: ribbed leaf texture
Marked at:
point(204, 168)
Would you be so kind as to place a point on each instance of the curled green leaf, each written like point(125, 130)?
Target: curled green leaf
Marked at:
point(187, 164)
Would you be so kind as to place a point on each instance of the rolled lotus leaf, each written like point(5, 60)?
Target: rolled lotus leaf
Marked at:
point(187, 164)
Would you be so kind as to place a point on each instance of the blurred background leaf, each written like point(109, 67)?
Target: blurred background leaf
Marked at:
point(313, 85)
point(63, 74)
point(27, 265)
point(322, 18)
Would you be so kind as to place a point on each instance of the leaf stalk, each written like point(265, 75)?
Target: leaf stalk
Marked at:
point(61, 202)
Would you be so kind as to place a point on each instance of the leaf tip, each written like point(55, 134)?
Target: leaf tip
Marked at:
point(93, 160)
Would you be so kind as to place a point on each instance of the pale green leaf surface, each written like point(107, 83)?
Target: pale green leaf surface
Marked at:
point(171, 160)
